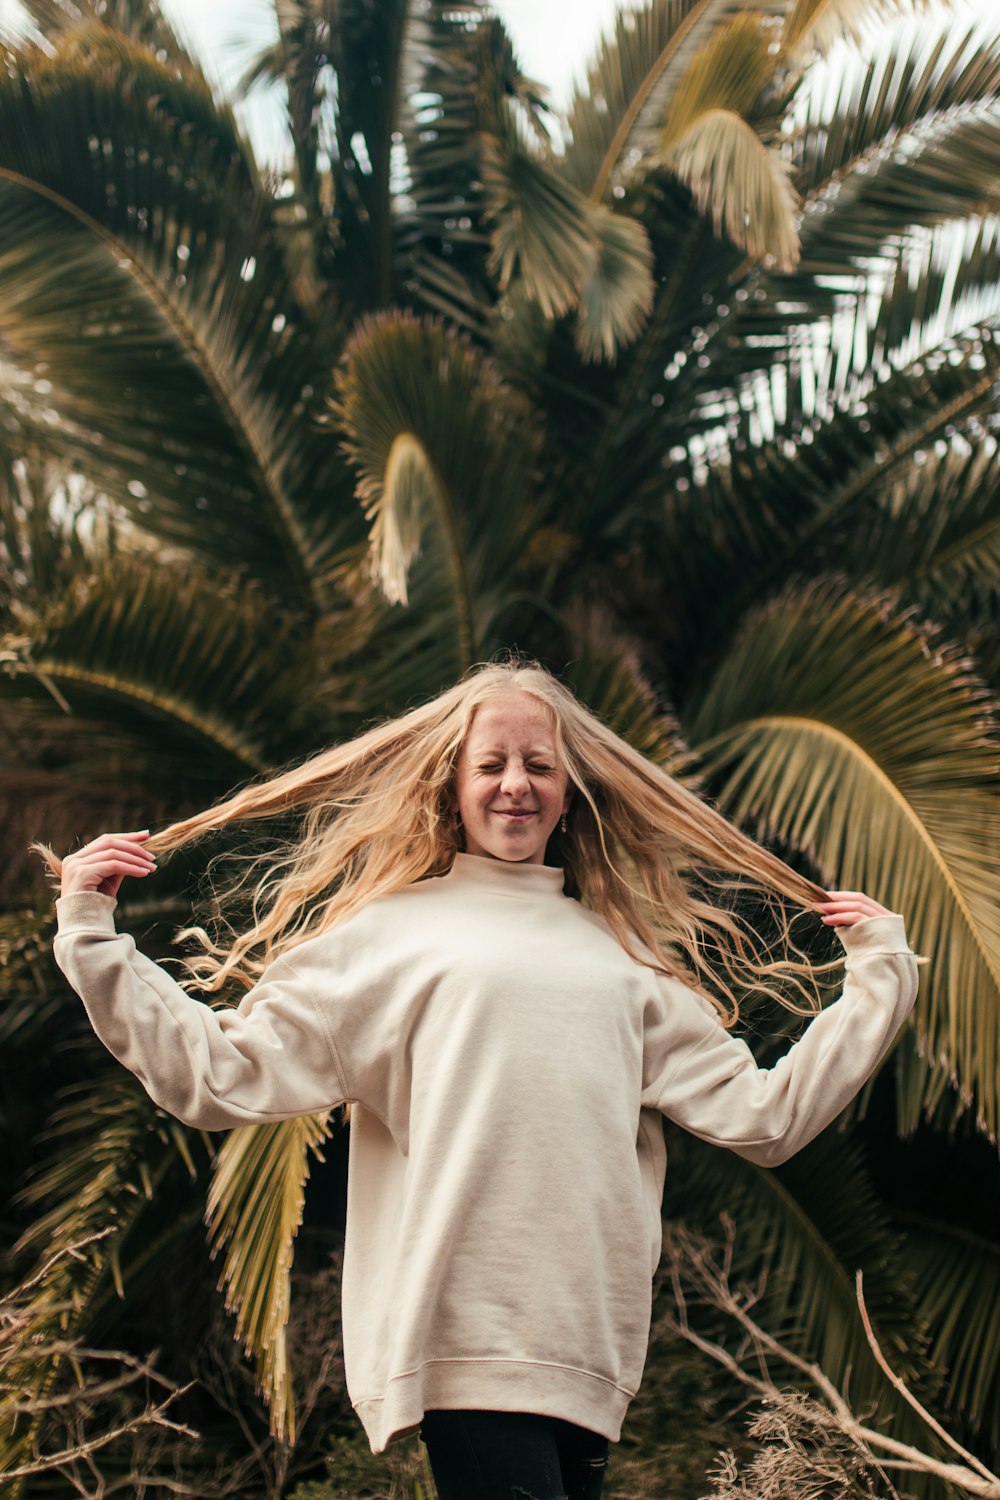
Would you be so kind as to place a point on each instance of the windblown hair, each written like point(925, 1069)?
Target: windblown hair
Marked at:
point(641, 849)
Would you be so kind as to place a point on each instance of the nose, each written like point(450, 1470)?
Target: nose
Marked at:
point(514, 782)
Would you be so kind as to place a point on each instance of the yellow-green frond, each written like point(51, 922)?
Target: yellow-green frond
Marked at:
point(254, 1210)
point(446, 453)
point(542, 228)
point(617, 295)
point(843, 731)
point(741, 184)
point(707, 140)
point(397, 514)
point(729, 73)
point(817, 24)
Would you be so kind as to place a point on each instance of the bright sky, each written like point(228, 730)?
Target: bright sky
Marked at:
point(553, 40)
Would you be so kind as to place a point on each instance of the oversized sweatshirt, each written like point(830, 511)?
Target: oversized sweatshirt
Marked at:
point(508, 1065)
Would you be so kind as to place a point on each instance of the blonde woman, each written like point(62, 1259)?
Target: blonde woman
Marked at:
point(497, 938)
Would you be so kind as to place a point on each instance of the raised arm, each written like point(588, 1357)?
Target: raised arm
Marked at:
point(709, 1082)
point(268, 1060)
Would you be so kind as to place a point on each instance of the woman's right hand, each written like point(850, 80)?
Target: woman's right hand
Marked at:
point(103, 864)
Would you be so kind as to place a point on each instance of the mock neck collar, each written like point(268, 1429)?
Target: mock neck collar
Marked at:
point(510, 877)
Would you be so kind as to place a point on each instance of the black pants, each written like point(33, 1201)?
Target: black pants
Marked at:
point(512, 1455)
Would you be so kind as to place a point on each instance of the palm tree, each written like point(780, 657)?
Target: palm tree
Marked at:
point(699, 408)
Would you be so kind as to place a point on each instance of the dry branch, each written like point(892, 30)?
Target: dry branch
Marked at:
point(693, 1263)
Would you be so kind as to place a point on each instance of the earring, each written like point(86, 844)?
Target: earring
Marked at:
point(456, 818)
point(562, 825)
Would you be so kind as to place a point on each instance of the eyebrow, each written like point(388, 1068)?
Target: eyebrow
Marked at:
point(535, 749)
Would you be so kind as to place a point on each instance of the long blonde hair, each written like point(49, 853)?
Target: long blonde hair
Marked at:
point(640, 849)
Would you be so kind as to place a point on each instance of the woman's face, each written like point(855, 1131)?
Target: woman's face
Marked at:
point(510, 787)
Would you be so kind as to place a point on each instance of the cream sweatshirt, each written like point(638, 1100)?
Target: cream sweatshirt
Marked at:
point(508, 1064)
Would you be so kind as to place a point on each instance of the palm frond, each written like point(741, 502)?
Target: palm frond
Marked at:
point(956, 1282)
point(142, 20)
point(851, 736)
point(741, 184)
point(111, 1153)
point(915, 84)
point(542, 229)
point(254, 1210)
point(195, 660)
point(819, 23)
point(815, 469)
point(934, 529)
point(51, 526)
point(889, 142)
point(822, 1223)
point(566, 251)
point(617, 294)
point(707, 139)
point(139, 266)
point(459, 75)
point(615, 116)
point(435, 433)
point(31, 1000)
point(605, 674)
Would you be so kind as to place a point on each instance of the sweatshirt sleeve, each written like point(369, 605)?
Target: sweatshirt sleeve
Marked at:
point(269, 1059)
point(707, 1080)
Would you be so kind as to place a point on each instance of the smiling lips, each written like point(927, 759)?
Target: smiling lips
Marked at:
point(514, 814)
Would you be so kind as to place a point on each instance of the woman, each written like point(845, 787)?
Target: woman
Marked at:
point(497, 939)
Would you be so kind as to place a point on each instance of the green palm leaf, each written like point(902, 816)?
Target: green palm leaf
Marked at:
point(142, 20)
point(605, 675)
point(852, 738)
point(458, 71)
point(888, 141)
point(707, 140)
point(148, 643)
point(924, 80)
point(614, 118)
point(802, 1232)
point(568, 252)
point(819, 23)
point(956, 1279)
point(439, 440)
point(255, 1209)
point(31, 999)
point(139, 265)
point(818, 471)
point(542, 226)
point(617, 293)
point(112, 1154)
point(934, 530)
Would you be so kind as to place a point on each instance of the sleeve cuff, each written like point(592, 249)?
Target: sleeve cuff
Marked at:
point(875, 935)
point(86, 911)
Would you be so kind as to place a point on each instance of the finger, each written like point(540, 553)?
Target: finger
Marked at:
point(104, 851)
point(840, 900)
point(110, 846)
point(109, 860)
point(106, 840)
point(848, 917)
point(104, 875)
point(101, 870)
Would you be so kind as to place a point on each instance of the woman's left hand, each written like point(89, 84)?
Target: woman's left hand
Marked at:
point(844, 908)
